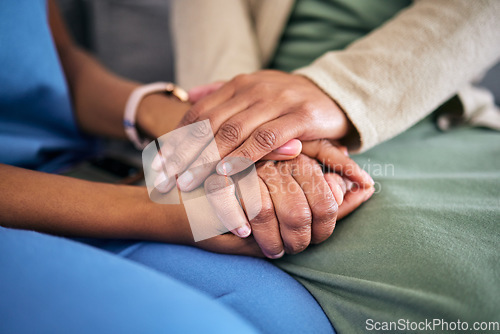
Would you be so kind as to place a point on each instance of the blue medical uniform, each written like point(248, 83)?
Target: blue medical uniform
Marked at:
point(37, 125)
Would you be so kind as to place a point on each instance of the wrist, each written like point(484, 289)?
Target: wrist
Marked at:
point(158, 114)
point(351, 138)
point(340, 124)
point(151, 125)
point(157, 222)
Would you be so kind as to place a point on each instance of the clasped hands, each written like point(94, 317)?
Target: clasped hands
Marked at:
point(260, 118)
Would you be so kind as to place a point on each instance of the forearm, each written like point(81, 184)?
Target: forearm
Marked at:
point(99, 97)
point(70, 207)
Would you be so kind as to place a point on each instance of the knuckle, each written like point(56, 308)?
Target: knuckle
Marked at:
point(324, 234)
point(306, 161)
point(307, 107)
point(298, 244)
point(266, 138)
point(215, 182)
point(284, 168)
point(302, 166)
point(189, 117)
point(299, 218)
point(265, 215)
point(326, 209)
point(264, 168)
point(206, 160)
point(246, 154)
point(287, 95)
point(241, 79)
point(263, 88)
point(301, 159)
point(262, 164)
point(193, 113)
point(230, 132)
point(175, 160)
point(200, 129)
point(321, 234)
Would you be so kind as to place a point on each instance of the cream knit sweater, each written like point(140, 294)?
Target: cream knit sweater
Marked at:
point(385, 82)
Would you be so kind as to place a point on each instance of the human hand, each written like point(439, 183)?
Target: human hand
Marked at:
point(159, 113)
point(335, 158)
point(299, 203)
point(165, 165)
point(251, 116)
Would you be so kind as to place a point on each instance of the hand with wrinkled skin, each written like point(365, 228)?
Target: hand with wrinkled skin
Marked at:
point(252, 115)
point(300, 204)
point(289, 220)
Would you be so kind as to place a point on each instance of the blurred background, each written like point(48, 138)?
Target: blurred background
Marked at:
point(132, 38)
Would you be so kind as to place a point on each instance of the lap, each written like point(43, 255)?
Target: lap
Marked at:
point(54, 285)
point(257, 290)
point(58, 285)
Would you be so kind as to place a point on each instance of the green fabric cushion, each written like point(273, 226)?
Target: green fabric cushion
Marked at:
point(426, 246)
point(318, 26)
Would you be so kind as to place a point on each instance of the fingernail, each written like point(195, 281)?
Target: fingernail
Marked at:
point(243, 231)
point(185, 180)
point(285, 150)
point(367, 197)
point(277, 256)
point(368, 178)
point(223, 168)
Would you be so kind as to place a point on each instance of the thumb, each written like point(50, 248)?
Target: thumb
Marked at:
point(288, 151)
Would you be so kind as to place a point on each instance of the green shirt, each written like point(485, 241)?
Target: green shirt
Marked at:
point(318, 26)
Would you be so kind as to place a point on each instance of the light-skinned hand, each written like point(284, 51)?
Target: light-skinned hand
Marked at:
point(251, 116)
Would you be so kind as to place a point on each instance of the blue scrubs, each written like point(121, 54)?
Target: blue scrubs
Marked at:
point(55, 285)
point(37, 125)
